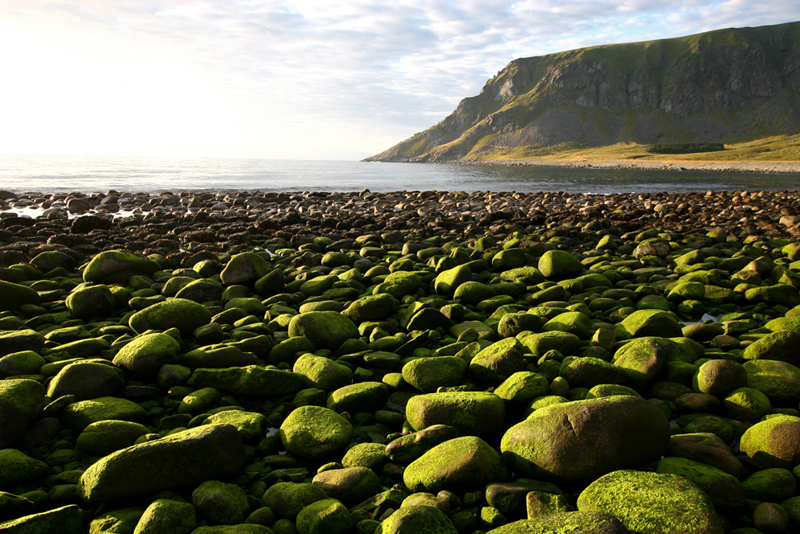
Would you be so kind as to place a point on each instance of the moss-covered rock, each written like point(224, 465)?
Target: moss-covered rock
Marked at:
point(770, 485)
point(314, 433)
point(358, 397)
point(642, 359)
point(221, 503)
point(371, 308)
point(251, 425)
point(167, 515)
point(648, 323)
point(447, 281)
point(143, 356)
point(783, 345)
point(15, 296)
point(20, 340)
point(91, 301)
point(327, 516)
point(456, 464)
point(538, 344)
point(559, 442)
point(286, 499)
point(429, 374)
point(202, 290)
point(184, 458)
point(104, 437)
point(708, 449)
point(574, 322)
point(472, 413)
point(86, 379)
point(522, 387)
point(16, 467)
point(185, 315)
point(409, 447)
point(774, 442)
point(780, 381)
point(719, 376)
point(587, 372)
point(417, 519)
point(559, 265)
point(249, 380)
point(244, 268)
point(25, 362)
point(746, 404)
point(117, 267)
point(497, 362)
point(81, 414)
point(21, 402)
point(325, 329)
point(322, 373)
point(725, 490)
point(565, 523)
point(63, 520)
point(652, 503)
point(350, 485)
point(371, 455)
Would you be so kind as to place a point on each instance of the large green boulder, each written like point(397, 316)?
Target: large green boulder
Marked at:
point(217, 356)
point(565, 523)
point(244, 268)
point(185, 458)
point(498, 361)
point(643, 359)
point(708, 449)
point(350, 485)
point(559, 265)
point(574, 322)
point(327, 516)
point(16, 295)
point(201, 290)
point(783, 345)
point(522, 387)
point(427, 374)
point(447, 281)
point(251, 425)
point(167, 515)
point(63, 520)
point(725, 490)
point(18, 340)
point(649, 322)
point(16, 467)
point(315, 433)
point(287, 498)
point(185, 315)
point(91, 301)
point(473, 413)
point(86, 379)
point(399, 284)
point(21, 402)
point(325, 329)
point(417, 519)
point(117, 267)
point(51, 259)
point(104, 437)
point(25, 362)
point(221, 503)
point(248, 380)
point(458, 464)
point(719, 376)
point(358, 397)
point(652, 503)
point(409, 447)
point(538, 344)
point(371, 308)
point(560, 442)
point(81, 414)
point(322, 373)
point(143, 356)
point(774, 442)
point(780, 381)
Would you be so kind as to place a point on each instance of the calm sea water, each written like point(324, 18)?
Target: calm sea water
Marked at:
point(51, 174)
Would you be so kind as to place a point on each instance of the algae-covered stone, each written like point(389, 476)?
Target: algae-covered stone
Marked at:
point(708, 449)
point(350, 485)
point(643, 359)
point(117, 267)
point(202, 290)
point(559, 265)
point(560, 442)
point(472, 413)
point(509, 497)
point(220, 355)
point(781, 294)
point(63, 520)
point(15, 296)
point(251, 425)
point(327, 516)
point(539, 344)
point(167, 515)
point(774, 442)
point(184, 458)
point(398, 284)
point(16, 467)
point(221, 503)
point(248, 380)
point(418, 519)
point(325, 329)
point(457, 464)
point(91, 301)
point(371, 308)
point(522, 387)
point(143, 356)
point(21, 402)
point(652, 503)
point(185, 315)
point(472, 292)
point(287, 498)
point(104, 437)
point(314, 432)
point(25, 362)
point(564, 523)
point(409, 447)
point(497, 362)
point(244, 268)
point(429, 374)
point(725, 490)
point(52, 259)
point(649, 322)
point(783, 345)
point(447, 281)
point(588, 371)
point(322, 373)
point(512, 324)
point(574, 322)
point(20, 340)
point(746, 404)
point(719, 376)
point(371, 455)
point(780, 381)
point(358, 397)
point(773, 485)
point(79, 415)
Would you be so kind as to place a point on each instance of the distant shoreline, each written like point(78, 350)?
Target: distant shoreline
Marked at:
point(766, 167)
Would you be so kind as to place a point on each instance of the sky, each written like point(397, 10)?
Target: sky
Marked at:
point(274, 79)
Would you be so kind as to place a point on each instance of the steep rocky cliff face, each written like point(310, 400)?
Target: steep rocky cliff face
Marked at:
point(722, 86)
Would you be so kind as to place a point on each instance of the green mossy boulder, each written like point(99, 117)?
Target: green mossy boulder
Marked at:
point(512, 324)
point(15, 296)
point(144, 355)
point(286, 499)
point(91, 301)
point(648, 323)
point(81, 414)
point(780, 294)
point(87, 379)
point(104, 437)
point(429, 374)
point(117, 267)
point(202, 290)
point(447, 281)
point(409, 447)
point(217, 356)
point(574, 322)
point(350, 485)
point(16, 467)
point(20, 340)
point(780, 381)
point(185, 315)
point(25, 362)
point(315, 433)
point(708, 449)
point(251, 425)
point(559, 265)
point(565, 523)
point(326, 516)
point(167, 515)
point(204, 453)
point(221, 503)
point(588, 371)
point(63, 520)
point(21, 402)
point(782, 346)
point(652, 503)
point(325, 329)
point(371, 308)
point(52, 259)
point(746, 404)
point(510, 497)
point(522, 387)
point(419, 519)
point(371, 455)
point(249, 380)
point(494, 364)
point(539, 344)
point(643, 359)
point(719, 376)
point(774, 442)
point(244, 268)
point(472, 413)
point(770, 485)
point(399, 284)
point(358, 397)
point(472, 292)
point(560, 442)
point(457, 464)
point(322, 373)
point(725, 490)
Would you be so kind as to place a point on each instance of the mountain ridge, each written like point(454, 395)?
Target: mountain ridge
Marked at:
point(728, 85)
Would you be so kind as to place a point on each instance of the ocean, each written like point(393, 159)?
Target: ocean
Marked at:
point(59, 174)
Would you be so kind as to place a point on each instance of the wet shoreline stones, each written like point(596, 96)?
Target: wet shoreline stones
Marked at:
point(410, 361)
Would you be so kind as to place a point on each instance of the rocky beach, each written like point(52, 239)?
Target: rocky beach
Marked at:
point(407, 362)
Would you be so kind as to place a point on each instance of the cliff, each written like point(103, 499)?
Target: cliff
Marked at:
point(725, 86)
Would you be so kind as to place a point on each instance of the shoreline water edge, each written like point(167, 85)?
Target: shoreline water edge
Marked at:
point(355, 363)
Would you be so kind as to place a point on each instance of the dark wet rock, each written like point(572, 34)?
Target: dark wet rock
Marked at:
point(117, 267)
point(15, 296)
point(248, 380)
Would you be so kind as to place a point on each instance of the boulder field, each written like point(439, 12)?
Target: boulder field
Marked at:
point(594, 366)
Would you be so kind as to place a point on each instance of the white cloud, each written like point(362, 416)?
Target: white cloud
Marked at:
point(279, 78)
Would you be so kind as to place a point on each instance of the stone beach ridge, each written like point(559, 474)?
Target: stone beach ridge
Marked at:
point(386, 363)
